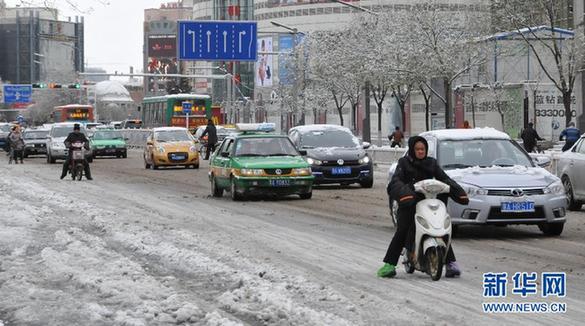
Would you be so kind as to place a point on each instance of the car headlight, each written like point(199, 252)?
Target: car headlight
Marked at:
point(161, 149)
point(555, 188)
point(302, 171)
point(193, 149)
point(251, 172)
point(364, 160)
point(313, 161)
point(473, 191)
point(422, 221)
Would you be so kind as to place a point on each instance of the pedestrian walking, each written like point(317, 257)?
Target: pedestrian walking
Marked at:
point(211, 133)
point(571, 135)
point(396, 138)
point(529, 137)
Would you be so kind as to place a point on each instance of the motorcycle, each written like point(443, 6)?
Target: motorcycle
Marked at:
point(77, 163)
point(432, 231)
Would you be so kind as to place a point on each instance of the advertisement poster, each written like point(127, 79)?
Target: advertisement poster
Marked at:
point(285, 44)
point(548, 112)
point(162, 59)
point(264, 63)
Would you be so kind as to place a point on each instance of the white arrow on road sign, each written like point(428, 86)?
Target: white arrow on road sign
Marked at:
point(224, 41)
point(208, 41)
point(192, 33)
point(240, 43)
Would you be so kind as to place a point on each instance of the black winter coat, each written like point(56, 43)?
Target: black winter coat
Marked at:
point(76, 137)
point(211, 133)
point(410, 171)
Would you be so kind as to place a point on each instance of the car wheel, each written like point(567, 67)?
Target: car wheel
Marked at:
point(394, 212)
point(195, 166)
point(153, 165)
point(233, 191)
point(552, 229)
point(306, 195)
point(51, 160)
point(215, 190)
point(125, 155)
point(90, 159)
point(368, 183)
point(574, 205)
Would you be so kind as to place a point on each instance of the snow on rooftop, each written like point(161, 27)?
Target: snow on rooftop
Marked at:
point(112, 91)
point(168, 129)
point(320, 127)
point(466, 134)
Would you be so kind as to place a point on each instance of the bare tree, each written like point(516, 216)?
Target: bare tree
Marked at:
point(560, 54)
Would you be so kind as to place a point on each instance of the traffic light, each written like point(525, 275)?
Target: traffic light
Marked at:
point(75, 86)
point(39, 85)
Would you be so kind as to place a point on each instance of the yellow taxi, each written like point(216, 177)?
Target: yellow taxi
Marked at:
point(170, 146)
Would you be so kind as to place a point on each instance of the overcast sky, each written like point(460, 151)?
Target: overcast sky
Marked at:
point(113, 30)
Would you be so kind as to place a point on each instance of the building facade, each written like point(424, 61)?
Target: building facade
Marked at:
point(37, 47)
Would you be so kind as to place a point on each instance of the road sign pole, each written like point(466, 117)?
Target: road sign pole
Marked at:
point(187, 121)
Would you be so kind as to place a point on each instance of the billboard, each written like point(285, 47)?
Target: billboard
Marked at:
point(264, 63)
point(285, 44)
point(162, 46)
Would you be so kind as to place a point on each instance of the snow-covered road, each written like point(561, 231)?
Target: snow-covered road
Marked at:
point(139, 247)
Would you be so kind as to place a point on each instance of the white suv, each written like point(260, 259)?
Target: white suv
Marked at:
point(56, 142)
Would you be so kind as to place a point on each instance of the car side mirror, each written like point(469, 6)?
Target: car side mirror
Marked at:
point(225, 154)
point(126, 139)
point(542, 161)
point(366, 145)
point(303, 153)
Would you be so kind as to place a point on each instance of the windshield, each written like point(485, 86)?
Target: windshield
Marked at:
point(5, 128)
point(172, 135)
point(481, 152)
point(329, 138)
point(133, 124)
point(36, 134)
point(105, 135)
point(265, 146)
point(64, 131)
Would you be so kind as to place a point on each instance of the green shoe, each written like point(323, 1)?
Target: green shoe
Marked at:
point(388, 270)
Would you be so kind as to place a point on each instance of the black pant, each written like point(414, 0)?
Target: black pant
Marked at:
point(395, 144)
point(17, 154)
point(66, 168)
point(210, 149)
point(405, 231)
point(529, 147)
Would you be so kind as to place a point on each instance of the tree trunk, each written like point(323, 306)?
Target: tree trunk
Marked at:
point(427, 107)
point(447, 84)
point(379, 119)
point(340, 111)
point(567, 105)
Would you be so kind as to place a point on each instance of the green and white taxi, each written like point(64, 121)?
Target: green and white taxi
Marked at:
point(255, 161)
point(108, 143)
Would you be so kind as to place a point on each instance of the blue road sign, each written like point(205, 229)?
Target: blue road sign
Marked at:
point(187, 107)
point(217, 40)
point(17, 93)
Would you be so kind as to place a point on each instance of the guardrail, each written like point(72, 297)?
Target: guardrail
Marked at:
point(136, 137)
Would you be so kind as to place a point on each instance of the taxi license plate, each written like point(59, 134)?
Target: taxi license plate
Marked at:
point(280, 182)
point(341, 170)
point(177, 157)
point(517, 207)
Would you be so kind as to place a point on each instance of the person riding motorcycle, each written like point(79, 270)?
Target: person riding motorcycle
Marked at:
point(412, 168)
point(76, 136)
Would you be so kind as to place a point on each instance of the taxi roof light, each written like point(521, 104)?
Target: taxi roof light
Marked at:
point(257, 127)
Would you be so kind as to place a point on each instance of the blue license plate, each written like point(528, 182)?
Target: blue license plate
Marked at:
point(178, 157)
point(341, 170)
point(280, 182)
point(517, 207)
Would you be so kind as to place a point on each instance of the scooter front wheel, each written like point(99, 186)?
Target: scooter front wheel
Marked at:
point(408, 266)
point(435, 257)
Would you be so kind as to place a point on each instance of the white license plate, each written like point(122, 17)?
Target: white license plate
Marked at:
point(517, 207)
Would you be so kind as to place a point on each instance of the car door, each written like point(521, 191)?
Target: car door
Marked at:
point(576, 166)
point(221, 162)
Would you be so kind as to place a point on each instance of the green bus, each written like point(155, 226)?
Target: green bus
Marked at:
point(167, 111)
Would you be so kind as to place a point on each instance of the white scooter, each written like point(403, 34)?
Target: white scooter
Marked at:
point(432, 231)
